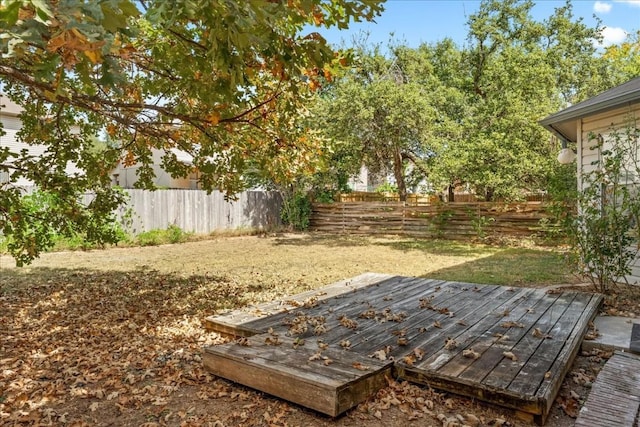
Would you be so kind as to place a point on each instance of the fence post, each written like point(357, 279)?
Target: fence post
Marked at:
point(404, 213)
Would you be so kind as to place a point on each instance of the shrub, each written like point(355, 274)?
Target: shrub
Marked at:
point(605, 232)
point(296, 210)
point(172, 234)
point(150, 238)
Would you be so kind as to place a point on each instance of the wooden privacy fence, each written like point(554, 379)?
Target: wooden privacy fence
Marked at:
point(420, 199)
point(363, 196)
point(199, 212)
point(441, 220)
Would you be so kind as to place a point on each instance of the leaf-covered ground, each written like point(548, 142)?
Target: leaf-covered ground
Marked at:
point(115, 337)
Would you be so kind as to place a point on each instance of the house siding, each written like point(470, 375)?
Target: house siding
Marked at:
point(589, 153)
point(11, 126)
point(127, 176)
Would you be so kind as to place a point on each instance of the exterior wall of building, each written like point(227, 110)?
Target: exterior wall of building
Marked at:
point(126, 176)
point(603, 124)
point(11, 125)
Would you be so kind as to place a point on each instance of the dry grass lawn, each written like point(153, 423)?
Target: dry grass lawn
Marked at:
point(114, 337)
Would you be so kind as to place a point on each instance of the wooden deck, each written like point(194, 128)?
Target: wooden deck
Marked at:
point(615, 397)
point(507, 346)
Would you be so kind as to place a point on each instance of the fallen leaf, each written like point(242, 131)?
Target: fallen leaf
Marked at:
point(315, 356)
point(472, 420)
point(512, 324)
point(437, 324)
point(272, 341)
point(243, 342)
point(499, 422)
point(419, 353)
point(409, 359)
point(348, 323)
point(592, 335)
point(319, 329)
point(510, 355)
point(470, 354)
point(569, 406)
point(380, 354)
point(537, 332)
point(461, 322)
point(359, 366)
point(501, 337)
point(450, 344)
point(402, 341)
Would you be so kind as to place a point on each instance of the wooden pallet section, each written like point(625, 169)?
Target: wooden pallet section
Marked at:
point(614, 399)
point(245, 322)
point(524, 340)
point(330, 381)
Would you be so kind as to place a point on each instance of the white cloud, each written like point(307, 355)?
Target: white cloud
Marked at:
point(612, 35)
point(602, 7)
point(635, 3)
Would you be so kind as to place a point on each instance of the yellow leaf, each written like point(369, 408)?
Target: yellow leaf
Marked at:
point(50, 96)
point(93, 55)
point(213, 118)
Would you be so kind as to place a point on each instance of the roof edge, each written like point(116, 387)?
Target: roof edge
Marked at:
point(628, 98)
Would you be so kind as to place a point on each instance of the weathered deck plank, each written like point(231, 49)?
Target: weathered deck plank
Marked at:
point(238, 322)
point(412, 319)
point(487, 317)
point(297, 375)
point(614, 399)
point(390, 293)
point(422, 322)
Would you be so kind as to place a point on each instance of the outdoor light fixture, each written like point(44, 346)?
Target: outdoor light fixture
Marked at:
point(566, 155)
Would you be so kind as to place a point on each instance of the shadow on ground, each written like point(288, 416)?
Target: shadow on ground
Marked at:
point(510, 267)
point(428, 246)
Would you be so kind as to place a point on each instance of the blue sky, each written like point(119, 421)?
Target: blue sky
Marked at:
point(417, 21)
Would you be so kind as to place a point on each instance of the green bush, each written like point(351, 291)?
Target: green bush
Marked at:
point(296, 211)
point(605, 232)
point(387, 188)
point(173, 234)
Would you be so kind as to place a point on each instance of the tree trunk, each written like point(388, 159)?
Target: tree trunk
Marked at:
point(398, 173)
point(489, 194)
point(451, 196)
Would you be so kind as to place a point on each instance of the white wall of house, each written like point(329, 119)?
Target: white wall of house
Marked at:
point(361, 181)
point(589, 153)
point(11, 125)
point(126, 176)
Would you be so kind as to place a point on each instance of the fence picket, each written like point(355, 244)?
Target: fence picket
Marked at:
point(444, 220)
point(199, 212)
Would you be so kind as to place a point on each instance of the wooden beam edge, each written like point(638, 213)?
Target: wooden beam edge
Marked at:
point(461, 386)
point(549, 391)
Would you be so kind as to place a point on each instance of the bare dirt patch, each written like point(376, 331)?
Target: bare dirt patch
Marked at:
point(115, 337)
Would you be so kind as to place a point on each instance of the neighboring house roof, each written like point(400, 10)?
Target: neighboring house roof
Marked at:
point(562, 123)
